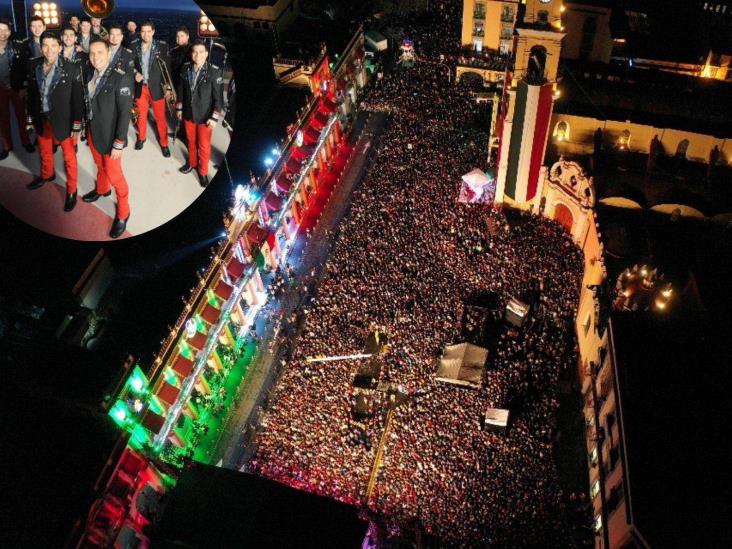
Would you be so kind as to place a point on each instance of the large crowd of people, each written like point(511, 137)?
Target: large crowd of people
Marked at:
point(410, 258)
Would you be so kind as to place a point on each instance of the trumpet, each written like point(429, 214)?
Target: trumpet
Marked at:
point(134, 115)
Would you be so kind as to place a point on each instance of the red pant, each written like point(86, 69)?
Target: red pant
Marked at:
point(109, 174)
point(199, 145)
point(8, 96)
point(46, 141)
point(143, 104)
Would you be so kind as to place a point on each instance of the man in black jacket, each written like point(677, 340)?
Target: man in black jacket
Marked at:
point(12, 89)
point(200, 103)
point(151, 59)
point(121, 57)
point(55, 107)
point(110, 103)
point(181, 53)
point(70, 52)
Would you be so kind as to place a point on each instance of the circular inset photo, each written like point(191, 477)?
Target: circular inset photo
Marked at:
point(114, 117)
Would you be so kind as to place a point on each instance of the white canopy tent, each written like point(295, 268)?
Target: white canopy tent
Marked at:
point(462, 364)
point(477, 187)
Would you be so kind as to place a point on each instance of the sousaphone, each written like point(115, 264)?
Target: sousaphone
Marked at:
point(98, 8)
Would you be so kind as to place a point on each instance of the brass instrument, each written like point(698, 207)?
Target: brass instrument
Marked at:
point(134, 115)
point(171, 99)
point(97, 8)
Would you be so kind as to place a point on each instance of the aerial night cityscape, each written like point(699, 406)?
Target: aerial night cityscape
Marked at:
point(366, 274)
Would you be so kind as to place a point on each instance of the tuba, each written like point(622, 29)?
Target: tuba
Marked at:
point(98, 8)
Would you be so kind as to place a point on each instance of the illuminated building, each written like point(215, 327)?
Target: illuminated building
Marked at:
point(526, 106)
point(488, 24)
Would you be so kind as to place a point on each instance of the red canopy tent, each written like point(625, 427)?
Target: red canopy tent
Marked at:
point(293, 165)
point(283, 184)
point(273, 202)
point(153, 422)
point(168, 393)
point(197, 341)
point(183, 366)
point(223, 290)
point(327, 106)
point(210, 314)
point(256, 235)
point(235, 268)
point(311, 135)
point(319, 119)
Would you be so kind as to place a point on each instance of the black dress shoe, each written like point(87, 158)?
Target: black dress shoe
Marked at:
point(70, 201)
point(29, 148)
point(93, 196)
point(139, 144)
point(166, 152)
point(118, 227)
point(39, 182)
point(55, 148)
point(203, 180)
point(4, 154)
point(185, 168)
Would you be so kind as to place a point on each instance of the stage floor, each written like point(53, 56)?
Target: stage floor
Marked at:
point(158, 191)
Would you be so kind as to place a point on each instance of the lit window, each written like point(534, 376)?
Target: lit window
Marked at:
point(598, 523)
point(595, 489)
point(561, 131)
point(624, 140)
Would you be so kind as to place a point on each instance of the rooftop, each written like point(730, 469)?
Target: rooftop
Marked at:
point(673, 378)
point(215, 507)
point(661, 99)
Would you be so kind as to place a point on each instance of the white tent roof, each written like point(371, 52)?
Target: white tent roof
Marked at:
point(462, 364)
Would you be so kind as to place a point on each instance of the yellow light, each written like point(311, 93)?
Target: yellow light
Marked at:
point(37, 13)
point(36, 6)
point(54, 13)
point(661, 305)
point(203, 27)
point(46, 14)
point(54, 20)
point(211, 27)
point(53, 5)
point(204, 19)
point(562, 9)
point(44, 5)
point(666, 293)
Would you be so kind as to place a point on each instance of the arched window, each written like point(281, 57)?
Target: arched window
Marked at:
point(682, 148)
point(561, 131)
point(624, 140)
point(537, 63)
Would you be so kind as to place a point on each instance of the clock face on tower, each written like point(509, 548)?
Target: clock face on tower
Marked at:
point(545, 1)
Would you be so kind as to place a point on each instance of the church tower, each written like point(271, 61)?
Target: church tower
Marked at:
point(527, 103)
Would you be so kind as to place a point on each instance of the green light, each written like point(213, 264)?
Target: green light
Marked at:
point(137, 382)
point(120, 414)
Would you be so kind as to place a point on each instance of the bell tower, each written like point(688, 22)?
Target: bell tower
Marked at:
point(527, 103)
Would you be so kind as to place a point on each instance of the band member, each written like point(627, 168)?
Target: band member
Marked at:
point(85, 35)
point(74, 23)
point(150, 55)
point(97, 28)
point(200, 103)
point(55, 108)
point(110, 103)
point(181, 53)
point(13, 81)
point(70, 51)
point(32, 44)
point(131, 35)
point(121, 57)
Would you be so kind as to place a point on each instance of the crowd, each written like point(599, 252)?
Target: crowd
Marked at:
point(410, 257)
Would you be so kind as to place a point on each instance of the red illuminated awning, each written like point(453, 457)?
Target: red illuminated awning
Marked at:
point(273, 202)
point(293, 165)
point(272, 240)
point(235, 268)
point(223, 290)
point(183, 366)
point(153, 422)
point(256, 235)
point(210, 314)
point(311, 135)
point(327, 106)
point(283, 184)
point(198, 341)
point(321, 119)
point(168, 393)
